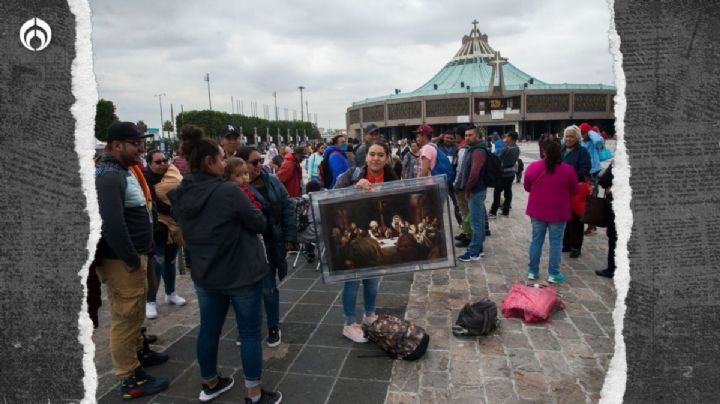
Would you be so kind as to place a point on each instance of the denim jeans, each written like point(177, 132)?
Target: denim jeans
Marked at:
point(214, 305)
point(478, 216)
point(163, 262)
point(271, 299)
point(555, 235)
point(349, 297)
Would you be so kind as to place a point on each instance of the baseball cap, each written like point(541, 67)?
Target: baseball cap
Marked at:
point(229, 130)
point(371, 128)
point(585, 127)
point(124, 131)
point(424, 130)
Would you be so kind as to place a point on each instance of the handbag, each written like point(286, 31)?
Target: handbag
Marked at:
point(596, 211)
point(605, 154)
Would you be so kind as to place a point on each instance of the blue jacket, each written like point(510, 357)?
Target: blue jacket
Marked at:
point(579, 159)
point(499, 145)
point(593, 145)
point(338, 162)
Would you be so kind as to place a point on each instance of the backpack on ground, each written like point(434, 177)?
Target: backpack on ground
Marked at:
point(443, 165)
point(402, 339)
point(493, 170)
point(476, 319)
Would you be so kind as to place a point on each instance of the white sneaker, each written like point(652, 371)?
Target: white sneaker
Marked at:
point(354, 333)
point(368, 320)
point(175, 299)
point(150, 310)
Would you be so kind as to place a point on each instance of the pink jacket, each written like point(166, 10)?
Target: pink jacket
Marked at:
point(549, 199)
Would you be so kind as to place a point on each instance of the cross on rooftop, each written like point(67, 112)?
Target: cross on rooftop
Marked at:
point(498, 61)
point(475, 23)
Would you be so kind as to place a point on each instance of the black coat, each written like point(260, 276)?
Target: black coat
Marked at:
point(579, 158)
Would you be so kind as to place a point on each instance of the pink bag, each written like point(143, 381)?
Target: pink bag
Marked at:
point(533, 304)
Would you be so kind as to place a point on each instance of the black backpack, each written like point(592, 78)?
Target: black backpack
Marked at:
point(493, 169)
point(402, 339)
point(325, 172)
point(475, 319)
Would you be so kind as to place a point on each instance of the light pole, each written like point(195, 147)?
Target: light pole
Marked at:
point(276, 110)
point(207, 78)
point(162, 130)
point(301, 103)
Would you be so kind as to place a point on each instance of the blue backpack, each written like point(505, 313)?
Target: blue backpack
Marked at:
point(443, 166)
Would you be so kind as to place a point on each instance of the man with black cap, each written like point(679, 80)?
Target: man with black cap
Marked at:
point(230, 140)
point(122, 254)
point(371, 134)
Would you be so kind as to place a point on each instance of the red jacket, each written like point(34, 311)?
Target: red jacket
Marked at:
point(290, 174)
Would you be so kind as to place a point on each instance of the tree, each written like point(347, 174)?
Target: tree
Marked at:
point(104, 117)
point(168, 126)
point(142, 126)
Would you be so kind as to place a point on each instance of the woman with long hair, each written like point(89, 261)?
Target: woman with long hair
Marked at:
point(220, 226)
point(376, 170)
point(550, 183)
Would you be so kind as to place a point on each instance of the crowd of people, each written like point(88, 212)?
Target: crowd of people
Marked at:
point(232, 211)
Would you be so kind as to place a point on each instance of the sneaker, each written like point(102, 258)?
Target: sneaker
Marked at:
point(147, 338)
point(368, 320)
point(151, 310)
point(175, 299)
point(557, 278)
point(492, 215)
point(148, 358)
point(273, 338)
point(224, 384)
point(605, 273)
point(354, 333)
point(574, 253)
point(532, 276)
point(469, 257)
point(266, 397)
point(141, 384)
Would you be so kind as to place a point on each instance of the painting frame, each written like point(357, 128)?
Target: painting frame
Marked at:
point(433, 231)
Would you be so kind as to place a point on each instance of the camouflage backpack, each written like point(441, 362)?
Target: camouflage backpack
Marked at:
point(402, 339)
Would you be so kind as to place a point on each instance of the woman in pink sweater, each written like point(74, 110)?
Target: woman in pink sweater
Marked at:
point(550, 183)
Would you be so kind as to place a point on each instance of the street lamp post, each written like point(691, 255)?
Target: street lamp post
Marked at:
point(162, 130)
point(207, 78)
point(276, 110)
point(301, 103)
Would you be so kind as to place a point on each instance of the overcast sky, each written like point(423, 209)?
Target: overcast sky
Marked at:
point(339, 51)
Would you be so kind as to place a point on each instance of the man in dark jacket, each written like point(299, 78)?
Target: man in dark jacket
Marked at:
point(371, 134)
point(508, 159)
point(126, 239)
point(279, 236)
point(579, 158)
point(475, 192)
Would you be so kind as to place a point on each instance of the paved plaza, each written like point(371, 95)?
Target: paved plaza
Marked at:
point(562, 361)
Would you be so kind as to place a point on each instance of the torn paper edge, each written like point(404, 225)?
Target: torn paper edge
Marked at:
point(86, 96)
point(613, 388)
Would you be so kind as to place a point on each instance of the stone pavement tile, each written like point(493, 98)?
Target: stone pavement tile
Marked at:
point(591, 379)
point(595, 306)
point(391, 300)
point(435, 361)
point(168, 337)
point(439, 337)
point(494, 366)
point(238, 393)
point(437, 321)
point(530, 385)
point(296, 284)
point(491, 345)
point(184, 350)
point(322, 287)
point(406, 376)
point(555, 366)
point(464, 349)
point(578, 353)
point(467, 395)
point(395, 287)
point(348, 391)
point(162, 399)
point(512, 340)
point(435, 380)
point(367, 365)
point(290, 296)
point(465, 372)
point(306, 313)
point(296, 333)
point(524, 359)
point(606, 322)
point(604, 361)
point(511, 324)
point(303, 389)
point(329, 335)
point(567, 392)
point(564, 329)
point(280, 357)
point(587, 325)
point(499, 391)
point(600, 344)
point(189, 383)
point(319, 361)
point(396, 397)
point(336, 316)
point(433, 396)
point(543, 339)
point(304, 273)
point(321, 298)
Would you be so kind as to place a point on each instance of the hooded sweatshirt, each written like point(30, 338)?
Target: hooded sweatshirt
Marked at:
point(220, 227)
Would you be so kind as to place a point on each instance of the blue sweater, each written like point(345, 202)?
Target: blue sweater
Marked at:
point(337, 161)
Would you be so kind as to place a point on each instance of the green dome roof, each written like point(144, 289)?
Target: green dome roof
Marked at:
point(471, 70)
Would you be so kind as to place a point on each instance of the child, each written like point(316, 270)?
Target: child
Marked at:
point(237, 171)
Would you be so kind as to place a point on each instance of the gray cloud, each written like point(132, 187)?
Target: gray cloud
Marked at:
point(340, 51)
